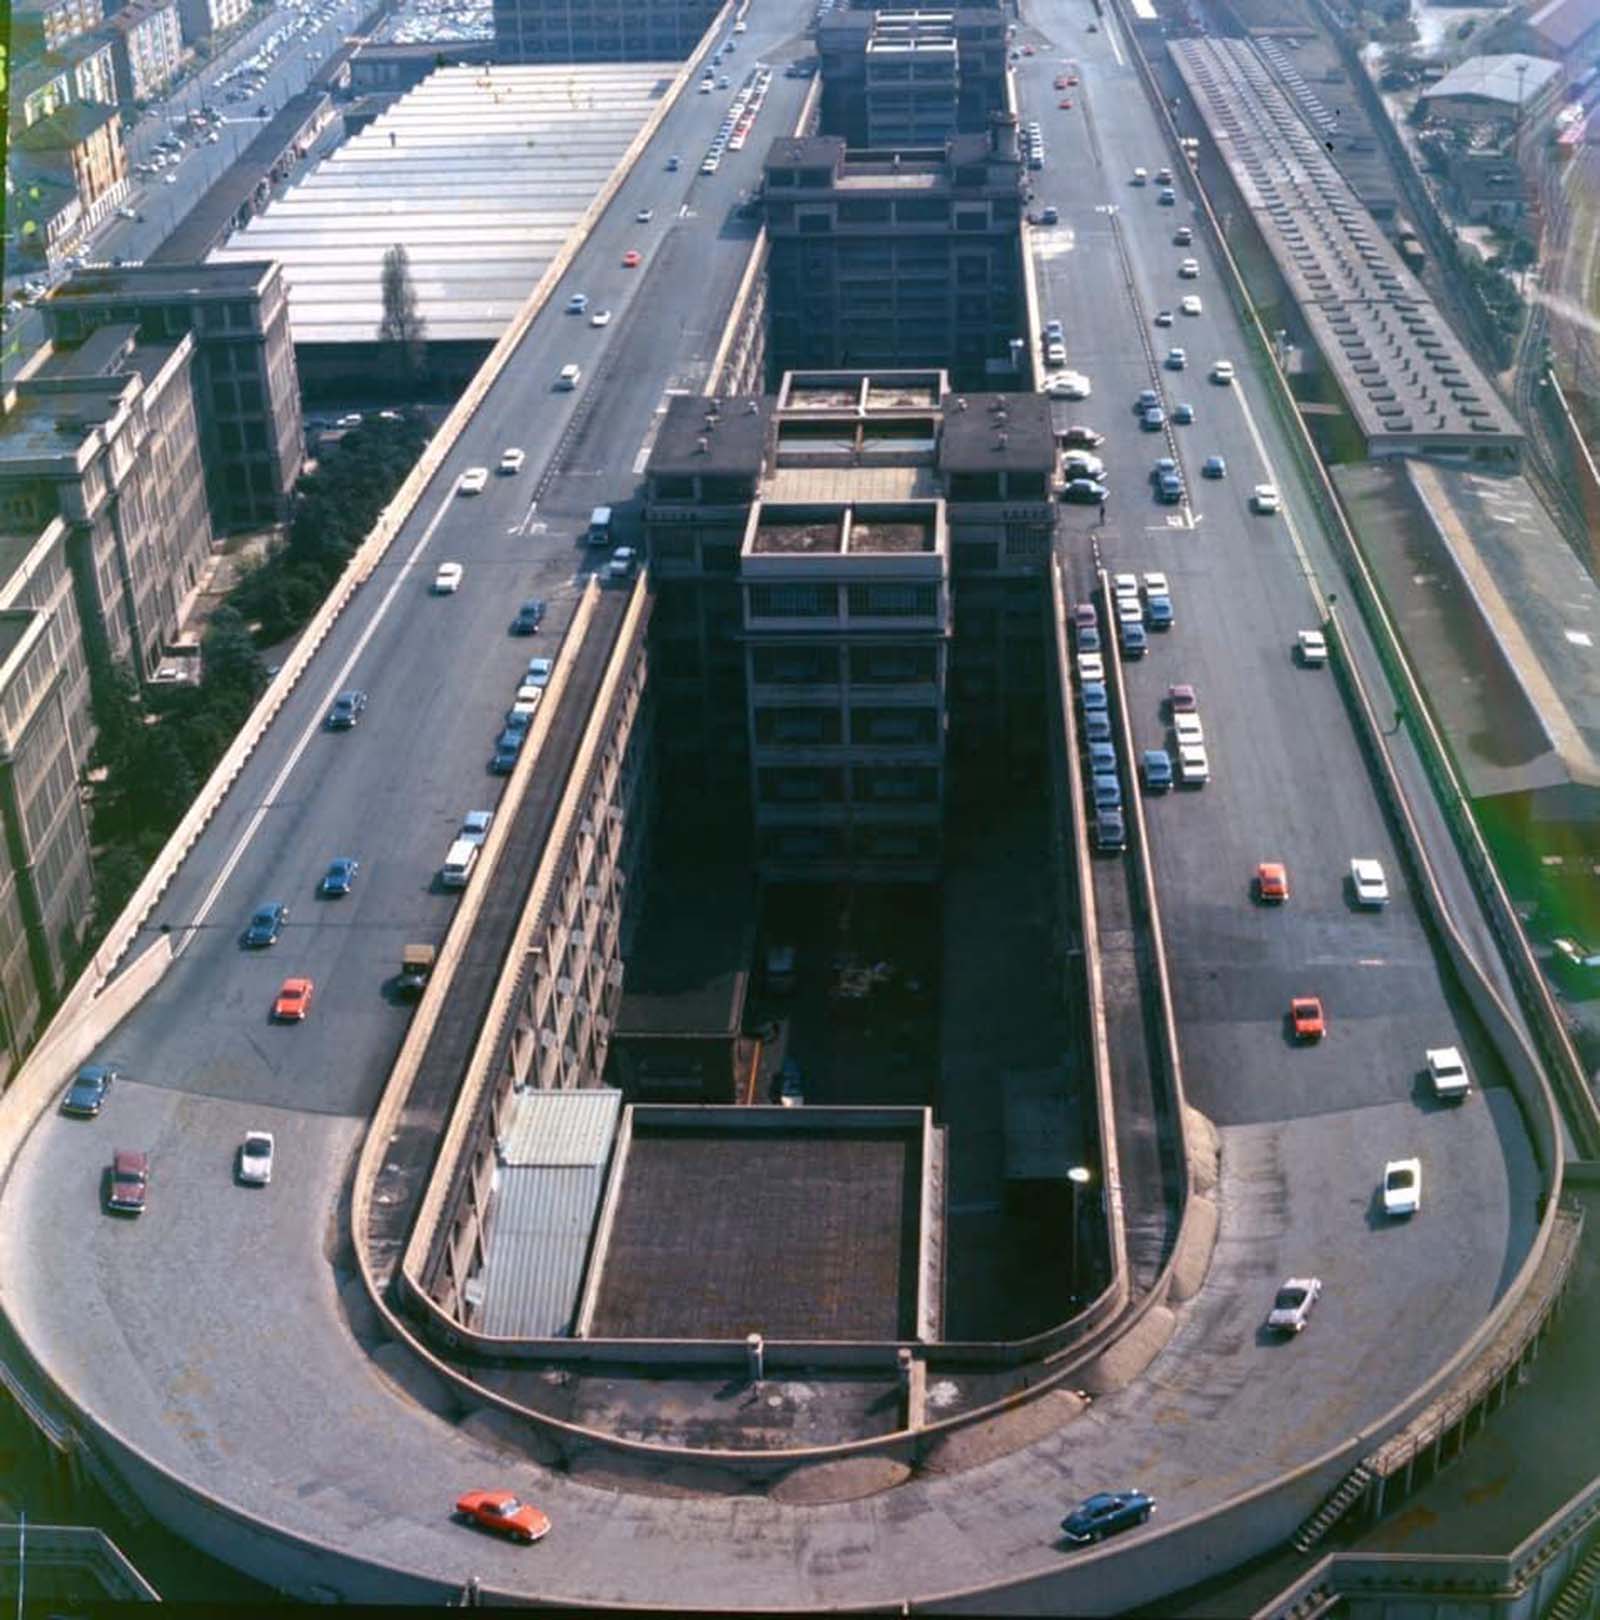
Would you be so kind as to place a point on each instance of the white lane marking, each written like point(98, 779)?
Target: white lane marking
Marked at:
point(312, 728)
point(1111, 34)
point(1288, 517)
point(527, 517)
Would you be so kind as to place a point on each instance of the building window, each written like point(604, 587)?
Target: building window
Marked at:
point(893, 601)
point(793, 601)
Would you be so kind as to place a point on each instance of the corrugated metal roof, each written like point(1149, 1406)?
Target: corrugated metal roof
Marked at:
point(480, 172)
point(561, 1127)
point(547, 1191)
point(1508, 79)
point(539, 1229)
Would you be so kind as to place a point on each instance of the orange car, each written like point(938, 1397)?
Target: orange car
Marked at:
point(501, 1512)
point(1305, 1013)
point(1066, 102)
point(631, 259)
point(294, 1000)
point(1272, 882)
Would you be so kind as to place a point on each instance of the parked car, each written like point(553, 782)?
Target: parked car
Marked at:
point(1156, 766)
point(1292, 1305)
point(1105, 1513)
point(1084, 492)
point(1447, 1074)
point(539, 671)
point(86, 1096)
point(1312, 647)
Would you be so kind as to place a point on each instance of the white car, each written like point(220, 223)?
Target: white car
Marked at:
point(1402, 1187)
point(255, 1158)
point(1191, 304)
point(511, 460)
point(1370, 885)
point(1129, 611)
point(1055, 354)
point(1069, 385)
point(1155, 584)
point(1190, 732)
point(1264, 499)
point(1080, 464)
point(644, 216)
point(448, 579)
point(1194, 769)
point(473, 481)
point(1447, 1072)
point(1189, 269)
point(1292, 1305)
point(1091, 667)
point(709, 166)
point(1222, 372)
point(601, 317)
point(1313, 647)
point(1124, 584)
point(1177, 359)
point(568, 378)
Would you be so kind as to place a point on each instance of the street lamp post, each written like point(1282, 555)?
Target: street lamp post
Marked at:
point(1078, 1177)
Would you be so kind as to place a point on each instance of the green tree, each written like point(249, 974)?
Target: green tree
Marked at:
point(402, 327)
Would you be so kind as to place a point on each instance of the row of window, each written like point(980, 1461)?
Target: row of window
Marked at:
point(822, 601)
point(817, 726)
point(823, 666)
point(809, 844)
point(833, 784)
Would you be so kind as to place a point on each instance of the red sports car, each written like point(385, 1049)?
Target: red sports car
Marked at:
point(501, 1512)
point(1305, 1012)
point(1272, 882)
point(631, 260)
point(294, 1000)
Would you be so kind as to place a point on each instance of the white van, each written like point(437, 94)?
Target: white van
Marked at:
point(599, 530)
point(458, 864)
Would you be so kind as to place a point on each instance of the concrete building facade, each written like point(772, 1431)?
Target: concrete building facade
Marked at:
point(147, 48)
point(891, 68)
point(896, 259)
point(847, 585)
point(46, 886)
point(599, 30)
point(56, 21)
point(201, 19)
point(107, 437)
point(247, 390)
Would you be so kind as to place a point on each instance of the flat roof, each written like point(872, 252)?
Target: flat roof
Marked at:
point(801, 1229)
point(1403, 372)
point(481, 173)
point(1500, 616)
point(734, 428)
point(1511, 80)
point(215, 280)
point(552, 1156)
point(833, 485)
point(991, 432)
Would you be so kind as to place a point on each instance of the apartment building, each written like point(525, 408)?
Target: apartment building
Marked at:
point(147, 48)
point(897, 259)
point(46, 885)
point(818, 557)
point(906, 76)
point(54, 22)
point(78, 69)
point(246, 387)
point(599, 30)
point(201, 19)
point(105, 436)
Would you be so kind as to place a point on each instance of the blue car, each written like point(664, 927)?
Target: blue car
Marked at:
point(340, 876)
point(506, 750)
point(87, 1094)
point(1110, 832)
point(1156, 763)
point(266, 923)
point(1158, 612)
point(1105, 1513)
point(1093, 697)
point(1097, 726)
point(1134, 640)
point(1107, 791)
point(1089, 638)
point(1102, 757)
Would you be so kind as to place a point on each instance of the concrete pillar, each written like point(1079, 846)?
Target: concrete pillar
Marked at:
point(756, 1358)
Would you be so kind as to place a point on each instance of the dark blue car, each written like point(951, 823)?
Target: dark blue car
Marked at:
point(1105, 1513)
point(266, 923)
point(340, 876)
point(87, 1094)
